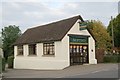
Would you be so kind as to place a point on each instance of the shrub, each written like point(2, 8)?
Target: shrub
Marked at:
point(10, 61)
point(119, 58)
point(3, 64)
point(111, 58)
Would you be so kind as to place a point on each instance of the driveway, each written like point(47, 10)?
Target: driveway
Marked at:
point(77, 71)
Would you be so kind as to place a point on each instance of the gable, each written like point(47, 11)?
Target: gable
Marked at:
point(75, 30)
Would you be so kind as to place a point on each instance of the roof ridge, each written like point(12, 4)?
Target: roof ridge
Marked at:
point(78, 16)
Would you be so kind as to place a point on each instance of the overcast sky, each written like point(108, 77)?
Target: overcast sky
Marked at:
point(30, 14)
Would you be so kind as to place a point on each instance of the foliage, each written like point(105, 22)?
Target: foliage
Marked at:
point(116, 30)
point(0, 42)
point(9, 36)
point(101, 35)
point(111, 59)
point(10, 61)
point(3, 64)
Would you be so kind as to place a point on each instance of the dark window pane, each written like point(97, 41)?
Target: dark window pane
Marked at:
point(32, 49)
point(20, 50)
point(48, 48)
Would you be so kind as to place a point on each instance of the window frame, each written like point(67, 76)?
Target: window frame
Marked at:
point(32, 47)
point(20, 48)
point(49, 48)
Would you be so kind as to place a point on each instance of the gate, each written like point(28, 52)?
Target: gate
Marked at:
point(78, 54)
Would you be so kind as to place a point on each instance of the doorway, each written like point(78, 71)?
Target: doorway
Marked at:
point(78, 54)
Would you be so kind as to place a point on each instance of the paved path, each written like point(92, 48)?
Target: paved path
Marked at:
point(78, 71)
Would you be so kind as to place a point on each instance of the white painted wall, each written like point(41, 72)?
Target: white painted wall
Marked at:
point(61, 58)
point(92, 59)
point(40, 61)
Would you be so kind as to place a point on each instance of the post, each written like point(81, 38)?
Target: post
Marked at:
point(112, 32)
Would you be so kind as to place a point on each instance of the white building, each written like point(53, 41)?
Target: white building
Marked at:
point(55, 46)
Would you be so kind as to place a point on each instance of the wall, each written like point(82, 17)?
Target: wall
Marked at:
point(61, 58)
point(40, 61)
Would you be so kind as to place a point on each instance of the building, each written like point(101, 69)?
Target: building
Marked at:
point(55, 46)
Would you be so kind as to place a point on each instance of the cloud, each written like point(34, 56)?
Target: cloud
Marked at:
point(119, 7)
point(93, 10)
point(29, 14)
point(60, 0)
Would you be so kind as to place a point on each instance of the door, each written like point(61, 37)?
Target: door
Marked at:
point(78, 54)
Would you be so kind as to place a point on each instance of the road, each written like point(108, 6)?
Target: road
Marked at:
point(98, 74)
point(78, 71)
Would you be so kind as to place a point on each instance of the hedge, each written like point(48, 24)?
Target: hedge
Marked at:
point(111, 59)
point(10, 61)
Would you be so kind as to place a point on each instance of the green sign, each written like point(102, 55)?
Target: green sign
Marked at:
point(83, 25)
point(75, 39)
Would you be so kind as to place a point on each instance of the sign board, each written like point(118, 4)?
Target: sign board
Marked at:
point(76, 39)
point(83, 26)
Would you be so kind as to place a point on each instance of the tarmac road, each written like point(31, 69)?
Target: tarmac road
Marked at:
point(77, 71)
point(111, 73)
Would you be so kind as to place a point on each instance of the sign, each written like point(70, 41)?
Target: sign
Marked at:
point(75, 39)
point(83, 25)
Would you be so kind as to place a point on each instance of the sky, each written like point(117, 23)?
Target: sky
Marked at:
point(119, 7)
point(31, 13)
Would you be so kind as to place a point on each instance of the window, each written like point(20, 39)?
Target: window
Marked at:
point(48, 48)
point(20, 50)
point(32, 49)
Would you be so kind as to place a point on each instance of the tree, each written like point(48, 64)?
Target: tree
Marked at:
point(9, 36)
point(116, 30)
point(0, 42)
point(100, 33)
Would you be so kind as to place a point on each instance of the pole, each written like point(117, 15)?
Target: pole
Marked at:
point(112, 32)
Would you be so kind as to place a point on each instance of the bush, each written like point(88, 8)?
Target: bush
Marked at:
point(3, 64)
point(119, 58)
point(112, 59)
point(10, 61)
